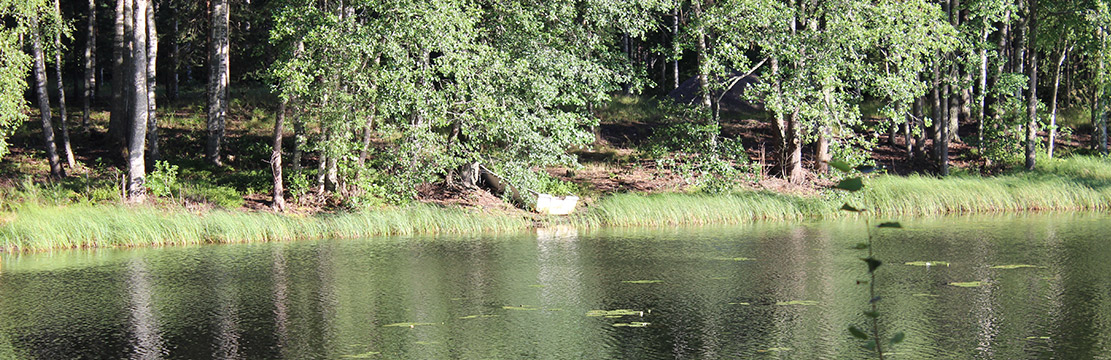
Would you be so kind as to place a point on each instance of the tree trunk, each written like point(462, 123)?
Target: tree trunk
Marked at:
point(793, 151)
point(217, 81)
point(44, 100)
point(700, 35)
point(822, 152)
point(368, 132)
point(920, 121)
point(944, 130)
point(938, 118)
point(1032, 104)
point(70, 161)
point(1053, 107)
point(117, 124)
point(298, 144)
point(981, 98)
point(136, 165)
point(152, 72)
point(90, 67)
point(276, 159)
point(908, 123)
point(677, 50)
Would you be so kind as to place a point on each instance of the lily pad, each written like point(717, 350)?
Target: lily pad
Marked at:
point(366, 355)
point(632, 324)
point(797, 302)
point(483, 316)
point(642, 281)
point(407, 324)
point(927, 263)
point(614, 313)
point(521, 308)
point(1013, 266)
point(968, 284)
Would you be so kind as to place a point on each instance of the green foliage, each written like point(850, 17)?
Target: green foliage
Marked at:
point(163, 180)
point(692, 148)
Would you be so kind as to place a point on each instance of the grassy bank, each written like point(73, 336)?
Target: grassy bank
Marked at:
point(1079, 183)
point(34, 227)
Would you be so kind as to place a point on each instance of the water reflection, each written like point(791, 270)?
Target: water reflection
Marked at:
point(146, 340)
point(785, 290)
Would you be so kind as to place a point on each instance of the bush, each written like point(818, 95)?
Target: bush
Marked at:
point(163, 180)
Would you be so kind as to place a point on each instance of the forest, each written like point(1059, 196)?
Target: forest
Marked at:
point(367, 103)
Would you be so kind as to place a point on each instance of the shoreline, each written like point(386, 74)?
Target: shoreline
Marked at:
point(30, 227)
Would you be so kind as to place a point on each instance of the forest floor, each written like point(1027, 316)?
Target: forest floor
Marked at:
point(614, 164)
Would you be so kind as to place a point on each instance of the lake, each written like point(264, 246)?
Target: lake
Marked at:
point(1036, 286)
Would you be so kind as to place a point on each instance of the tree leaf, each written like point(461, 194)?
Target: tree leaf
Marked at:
point(840, 165)
point(851, 184)
point(898, 338)
point(893, 225)
point(857, 333)
point(870, 345)
point(872, 264)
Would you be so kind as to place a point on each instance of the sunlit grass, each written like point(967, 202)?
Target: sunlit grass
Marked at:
point(38, 227)
point(1077, 183)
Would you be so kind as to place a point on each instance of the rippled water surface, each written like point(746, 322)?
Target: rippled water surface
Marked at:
point(765, 290)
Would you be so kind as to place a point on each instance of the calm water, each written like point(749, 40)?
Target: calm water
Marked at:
point(756, 291)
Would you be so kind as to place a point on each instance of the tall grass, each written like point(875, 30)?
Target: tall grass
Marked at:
point(1079, 183)
point(37, 227)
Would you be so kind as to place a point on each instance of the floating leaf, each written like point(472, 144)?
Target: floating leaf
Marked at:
point(851, 184)
point(365, 355)
point(870, 345)
point(1013, 266)
point(797, 302)
point(927, 263)
point(840, 165)
point(872, 264)
point(740, 303)
point(632, 324)
point(407, 324)
point(614, 313)
point(891, 225)
point(872, 314)
point(642, 281)
point(968, 284)
point(848, 207)
point(477, 316)
point(521, 308)
point(857, 333)
point(898, 338)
